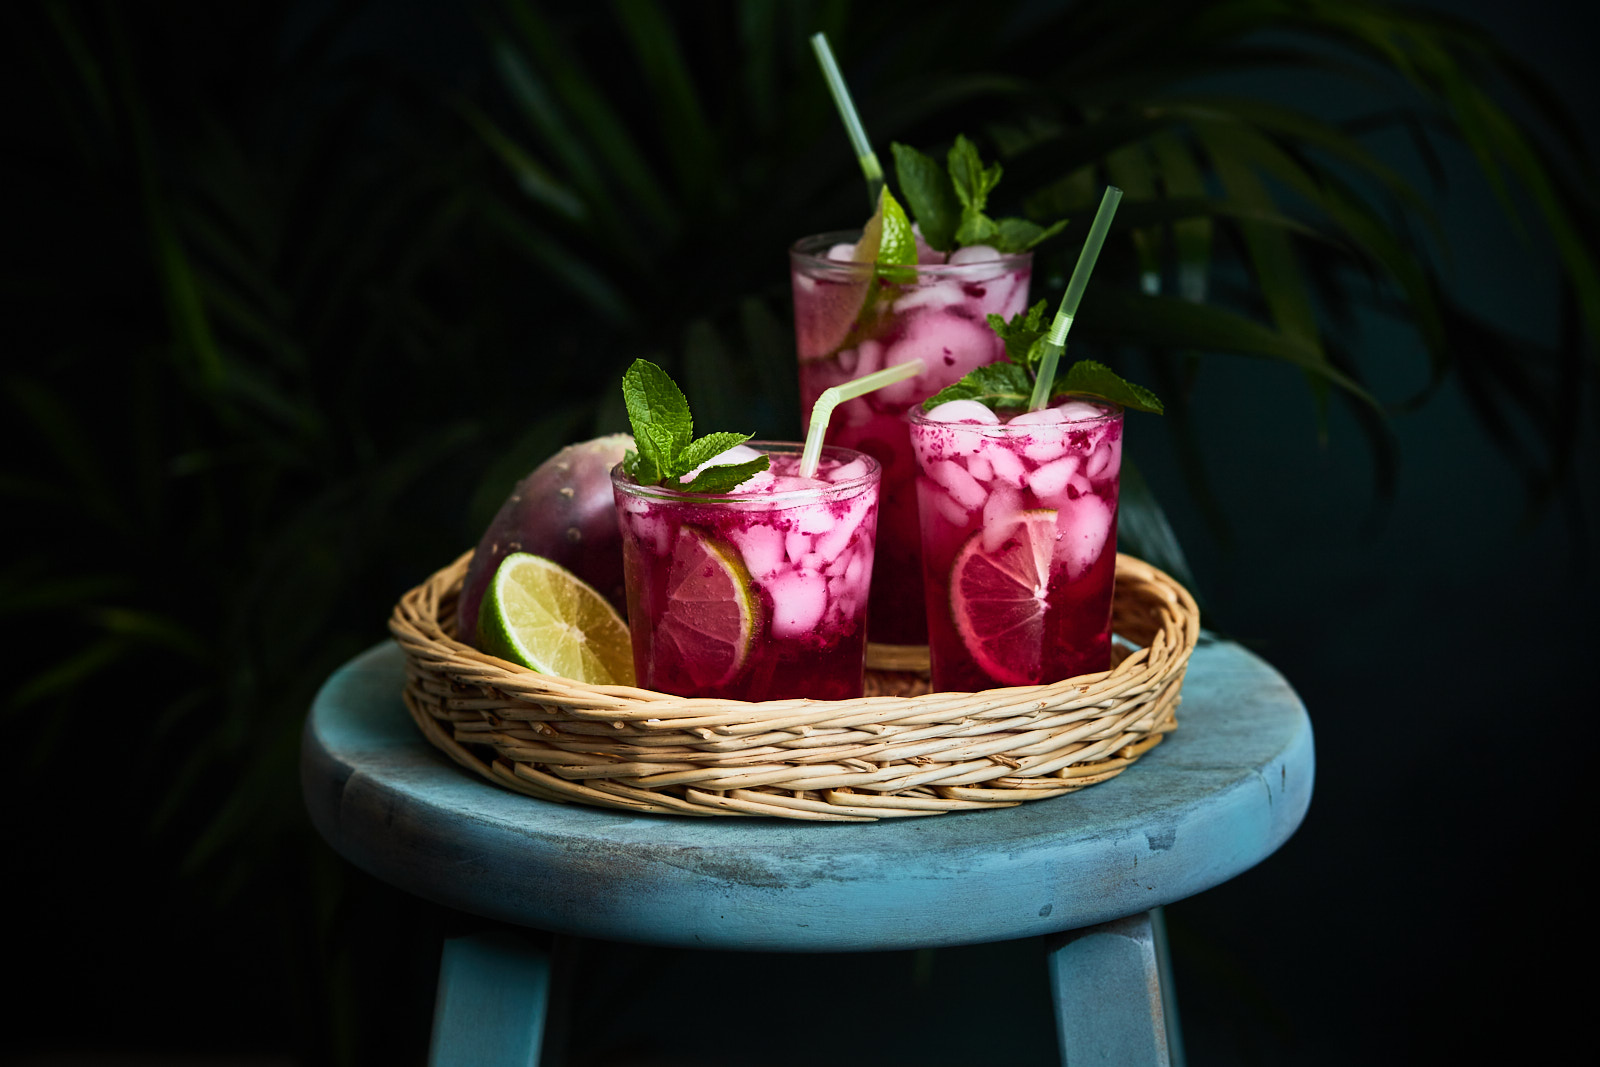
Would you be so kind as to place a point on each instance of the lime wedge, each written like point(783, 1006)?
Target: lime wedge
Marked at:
point(897, 247)
point(888, 239)
point(541, 615)
point(712, 610)
point(998, 597)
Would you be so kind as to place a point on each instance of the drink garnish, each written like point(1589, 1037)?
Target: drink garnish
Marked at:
point(1028, 378)
point(949, 202)
point(663, 432)
point(541, 615)
point(1007, 385)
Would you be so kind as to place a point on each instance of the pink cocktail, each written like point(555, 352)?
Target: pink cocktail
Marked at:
point(755, 594)
point(852, 319)
point(1019, 540)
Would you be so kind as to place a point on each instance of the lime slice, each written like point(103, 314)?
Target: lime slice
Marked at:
point(711, 615)
point(997, 597)
point(541, 615)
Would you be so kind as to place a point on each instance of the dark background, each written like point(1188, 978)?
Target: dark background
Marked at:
point(170, 900)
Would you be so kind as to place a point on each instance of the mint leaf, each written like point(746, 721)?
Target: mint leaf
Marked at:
point(1008, 386)
point(724, 478)
point(662, 430)
point(971, 179)
point(973, 182)
point(660, 416)
point(948, 204)
point(1002, 386)
point(1019, 235)
point(976, 229)
point(1088, 378)
point(929, 194)
point(1022, 334)
point(642, 470)
point(707, 449)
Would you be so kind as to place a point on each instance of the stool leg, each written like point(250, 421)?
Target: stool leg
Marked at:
point(1106, 983)
point(494, 989)
point(1169, 996)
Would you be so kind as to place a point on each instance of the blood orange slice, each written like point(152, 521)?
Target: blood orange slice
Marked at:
point(998, 597)
point(711, 615)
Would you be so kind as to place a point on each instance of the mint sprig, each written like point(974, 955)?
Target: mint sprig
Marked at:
point(1007, 385)
point(663, 431)
point(948, 202)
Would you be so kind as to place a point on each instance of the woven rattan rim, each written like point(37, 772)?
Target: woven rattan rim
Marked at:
point(899, 751)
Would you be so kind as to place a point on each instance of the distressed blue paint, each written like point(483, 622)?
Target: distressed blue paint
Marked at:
point(1105, 983)
point(494, 990)
point(1222, 793)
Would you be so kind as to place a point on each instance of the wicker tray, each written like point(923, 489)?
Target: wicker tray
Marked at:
point(900, 750)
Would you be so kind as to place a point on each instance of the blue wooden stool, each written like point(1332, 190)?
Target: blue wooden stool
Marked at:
point(1087, 872)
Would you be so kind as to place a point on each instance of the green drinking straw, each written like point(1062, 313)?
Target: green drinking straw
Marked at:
point(835, 395)
point(1055, 342)
point(852, 122)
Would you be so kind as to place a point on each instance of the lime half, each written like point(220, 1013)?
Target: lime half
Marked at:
point(712, 610)
point(541, 615)
point(998, 597)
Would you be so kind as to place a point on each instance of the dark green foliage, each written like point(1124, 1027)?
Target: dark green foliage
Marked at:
point(297, 292)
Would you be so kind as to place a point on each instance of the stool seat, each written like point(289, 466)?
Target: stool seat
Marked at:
point(1216, 797)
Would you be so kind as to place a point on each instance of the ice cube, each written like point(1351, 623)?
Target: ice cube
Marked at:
point(869, 357)
point(760, 546)
point(1042, 417)
point(980, 468)
point(797, 546)
point(1050, 480)
point(842, 252)
point(759, 482)
point(652, 532)
point(1046, 445)
point(948, 344)
point(1007, 466)
point(736, 454)
point(799, 598)
point(831, 542)
point(963, 411)
point(974, 254)
point(971, 257)
point(1106, 461)
point(937, 295)
point(1081, 484)
point(943, 503)
point(1079, 411)
point(962, 486)
point(1000, 516)
point(845, 472)
point(1082, 529)
point(814, 520)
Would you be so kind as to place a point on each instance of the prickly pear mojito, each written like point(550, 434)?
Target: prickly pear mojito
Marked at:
point(1019, 537)
point(759, 593)
point(855, 318)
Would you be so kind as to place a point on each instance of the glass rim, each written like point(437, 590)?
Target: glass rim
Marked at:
point(787, 498)
point(811, 252)
point(917, 417)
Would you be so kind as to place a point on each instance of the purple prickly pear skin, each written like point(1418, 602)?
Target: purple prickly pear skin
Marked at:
point(564, 511)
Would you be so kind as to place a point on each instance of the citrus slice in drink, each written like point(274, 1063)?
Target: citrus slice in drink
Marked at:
point(998, 597)
point(711, 613)
point(828, 308)
point(541, 615)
